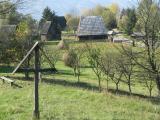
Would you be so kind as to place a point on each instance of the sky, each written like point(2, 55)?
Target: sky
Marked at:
point(62, 7)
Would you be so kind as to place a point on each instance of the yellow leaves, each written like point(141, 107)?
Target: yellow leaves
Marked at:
point(114, 8)
point(22, 30)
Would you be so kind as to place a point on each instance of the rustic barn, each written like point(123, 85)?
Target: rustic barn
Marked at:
point(91, 27)
point(49, 32)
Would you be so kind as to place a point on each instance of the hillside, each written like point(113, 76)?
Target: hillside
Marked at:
point(62, 98)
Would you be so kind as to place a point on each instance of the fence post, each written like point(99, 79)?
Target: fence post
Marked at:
point(36, 96)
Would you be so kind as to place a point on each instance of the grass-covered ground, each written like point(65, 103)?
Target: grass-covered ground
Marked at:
point(62, 98)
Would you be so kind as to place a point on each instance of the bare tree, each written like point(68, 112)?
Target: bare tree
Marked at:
point(111, 67)
point(148, 15)
point(7, 5)
point(148, 80)
point(73, 58)
point(80, 51)
point(127, 65)
point(106, 66)
point(94, 59)
point(116, 72)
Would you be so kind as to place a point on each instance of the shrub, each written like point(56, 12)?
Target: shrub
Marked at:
point(63, 45)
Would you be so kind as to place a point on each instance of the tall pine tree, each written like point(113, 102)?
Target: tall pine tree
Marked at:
point(48, 15)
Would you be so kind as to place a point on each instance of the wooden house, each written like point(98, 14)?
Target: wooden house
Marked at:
point(50, 32)
point(91, 27)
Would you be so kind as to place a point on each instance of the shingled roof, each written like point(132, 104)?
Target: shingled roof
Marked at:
point(8, 29)
point(46, 27)
point(91, 25)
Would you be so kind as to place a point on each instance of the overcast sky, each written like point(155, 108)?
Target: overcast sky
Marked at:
point(61, 7)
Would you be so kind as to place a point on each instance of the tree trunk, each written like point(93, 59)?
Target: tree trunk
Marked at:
point(27, 66)
point(107, 85)
point(27, 75)
point(78, 74)
point(129, 87)
point(150, 93)
point(78, 78)
point(117, 87)
point(158, 83)
point(75, 72)
point(99, 83)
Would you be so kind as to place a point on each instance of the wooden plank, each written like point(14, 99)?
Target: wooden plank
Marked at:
point(30, 51)
point(7, 80)
point(50, 42)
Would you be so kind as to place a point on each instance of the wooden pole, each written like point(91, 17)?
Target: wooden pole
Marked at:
point(36, 97)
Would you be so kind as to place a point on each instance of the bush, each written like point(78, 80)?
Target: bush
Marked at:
point(63, 45)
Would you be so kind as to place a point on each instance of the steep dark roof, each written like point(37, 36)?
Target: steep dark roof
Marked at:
point(61, 21)
point(91, 25)
point(46, 27)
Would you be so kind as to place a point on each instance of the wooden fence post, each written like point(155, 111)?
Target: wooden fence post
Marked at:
point(36, 96)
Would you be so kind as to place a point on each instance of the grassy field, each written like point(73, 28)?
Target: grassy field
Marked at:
point(62, 98)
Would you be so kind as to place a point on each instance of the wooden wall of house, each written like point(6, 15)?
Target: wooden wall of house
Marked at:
point(92, 37)
point(43, 38)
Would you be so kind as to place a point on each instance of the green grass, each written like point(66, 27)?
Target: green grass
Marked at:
point(62, 98)
point(60, 102)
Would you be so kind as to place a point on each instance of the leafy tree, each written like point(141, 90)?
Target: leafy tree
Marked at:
point(22, 43)
point(72, 22)
point(127, 20)
point(47, 15)
point(114, 8)
point(12, 41)
point(14, 17)
point(7, 6)
point(123, 22)
point(109, 19)
point(6, 51)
